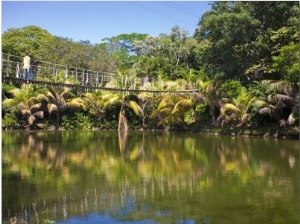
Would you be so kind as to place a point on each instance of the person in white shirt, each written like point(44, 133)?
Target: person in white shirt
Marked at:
point(27, 68)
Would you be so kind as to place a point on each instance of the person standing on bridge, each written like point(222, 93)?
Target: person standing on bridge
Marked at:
point(27, 68)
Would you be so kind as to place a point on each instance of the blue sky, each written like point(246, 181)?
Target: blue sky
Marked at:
point(95, 20)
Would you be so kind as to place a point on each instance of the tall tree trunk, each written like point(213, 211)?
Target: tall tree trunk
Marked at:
point(122, 126)
point(122, 141)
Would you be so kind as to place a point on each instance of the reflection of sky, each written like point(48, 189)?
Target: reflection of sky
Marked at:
point(124, 213)
point(96, 218)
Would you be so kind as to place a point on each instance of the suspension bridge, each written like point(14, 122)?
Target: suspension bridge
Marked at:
point(58, 75)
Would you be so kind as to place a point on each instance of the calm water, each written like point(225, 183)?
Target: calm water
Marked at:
point(148, 177)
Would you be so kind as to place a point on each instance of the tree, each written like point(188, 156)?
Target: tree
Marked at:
point(18, 41)
point(225, 30)
point(208, 93)
point(172, 110)
point(241, 37)
point(123, 98)
point(58, 102)
point(27, 103)
point(122, 48)
point(287, 64)
point(170, 55)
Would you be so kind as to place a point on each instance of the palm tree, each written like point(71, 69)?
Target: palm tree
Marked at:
point(281, 107)
point(123, 98)
point(58, 102)
point(181, 108)
point(235, 111)
point(280, 103)
point(208, 93)
point(171, 109)
point(97, 104)
point(146, 102)
point(28, 104)
point(126, 102)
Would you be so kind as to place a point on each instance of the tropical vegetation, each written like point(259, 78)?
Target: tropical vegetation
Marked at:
point(243, 60)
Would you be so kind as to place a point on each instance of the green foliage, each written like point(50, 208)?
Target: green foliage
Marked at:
point(260, 89)
point(6, 89)
point(18, 41)
point(202, 109)
point(10, 119)
point(239, 36)
point(77, 121)
point(230, 89)
point(242, 53)
point(287, 62)
point(123, 48)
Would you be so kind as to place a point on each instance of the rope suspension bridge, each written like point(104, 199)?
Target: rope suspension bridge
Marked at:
point(57, 75)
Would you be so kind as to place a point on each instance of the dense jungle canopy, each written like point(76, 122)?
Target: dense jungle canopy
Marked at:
point(243, 57)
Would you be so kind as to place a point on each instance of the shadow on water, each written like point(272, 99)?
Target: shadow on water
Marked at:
point(147, 177)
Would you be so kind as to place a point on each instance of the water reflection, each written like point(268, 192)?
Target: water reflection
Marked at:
point(147, 177)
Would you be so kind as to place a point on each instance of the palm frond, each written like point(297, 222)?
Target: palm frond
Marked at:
point(7, 102)
point(257, 103)
point(22, 106)
point(64, 92)
point(265, 110)
point(291, 120)
point(31, 101)
point(282, 86)
point(52, 108)
point(35, 107)
point(182, 104)
point(157, 112)
point(39, 114)
point(228, 109)
point(26, 112)
point(15, 92)
point(162, 104)
point(135, 107)
point(30, 119)
point(52, 93)
point(41, 97)
point(274, 98)
point(75, 103)
point(51, 96)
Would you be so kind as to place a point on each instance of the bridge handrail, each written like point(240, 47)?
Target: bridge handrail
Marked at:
point(51, 63)
point(49, 72)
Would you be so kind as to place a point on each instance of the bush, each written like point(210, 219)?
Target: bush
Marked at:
point(10, 120)
point(77, 121)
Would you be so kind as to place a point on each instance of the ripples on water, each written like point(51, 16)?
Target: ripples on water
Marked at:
point(147, 177)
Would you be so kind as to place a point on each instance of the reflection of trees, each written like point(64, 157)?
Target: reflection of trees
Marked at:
point(155, 176)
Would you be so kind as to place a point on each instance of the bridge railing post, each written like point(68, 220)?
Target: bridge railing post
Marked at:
point(97, 78)
point(18, 70)
point(101, 80)
point(56, 74)
point(82, 77)
point(66, 73)
point(87, 77)
point(7, 68)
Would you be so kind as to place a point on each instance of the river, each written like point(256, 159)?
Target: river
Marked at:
point(147, 177)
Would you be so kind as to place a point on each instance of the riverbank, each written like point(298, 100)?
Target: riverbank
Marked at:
point(271, 131)
point(266, 131)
